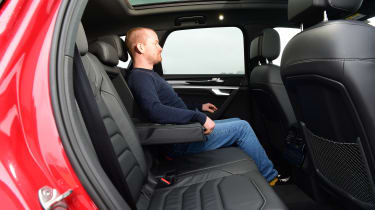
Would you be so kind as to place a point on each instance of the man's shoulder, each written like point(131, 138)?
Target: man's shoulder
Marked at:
point(139, 78)
point(138, 74)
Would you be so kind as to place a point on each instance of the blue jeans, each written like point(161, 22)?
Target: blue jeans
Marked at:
point(233, 131)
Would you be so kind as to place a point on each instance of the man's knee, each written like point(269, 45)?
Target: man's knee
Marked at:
point(245, 124)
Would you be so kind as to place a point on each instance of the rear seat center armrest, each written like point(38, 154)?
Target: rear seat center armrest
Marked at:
point(152, 133)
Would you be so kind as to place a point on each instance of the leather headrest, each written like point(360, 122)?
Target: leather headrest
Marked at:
point(310, 12)
point(104, 52)
point(119, 44)
point(266, 46)
point(81, 40)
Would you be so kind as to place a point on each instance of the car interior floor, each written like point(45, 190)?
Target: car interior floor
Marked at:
point(295, 199)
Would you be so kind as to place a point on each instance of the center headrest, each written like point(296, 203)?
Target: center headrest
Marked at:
point(104, 52)
point(266, 46)
point(119, 44)
point(311, 12)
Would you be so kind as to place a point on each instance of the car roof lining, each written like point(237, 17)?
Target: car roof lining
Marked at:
point(104, 17)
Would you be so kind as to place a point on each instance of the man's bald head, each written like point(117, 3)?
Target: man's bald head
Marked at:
point(136, 35)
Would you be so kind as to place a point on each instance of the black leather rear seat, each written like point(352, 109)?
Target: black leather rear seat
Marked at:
point(220, 179)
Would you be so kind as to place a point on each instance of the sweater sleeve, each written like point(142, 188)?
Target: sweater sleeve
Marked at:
point(145, 93)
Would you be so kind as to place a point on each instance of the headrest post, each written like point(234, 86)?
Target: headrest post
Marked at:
point(301, 27)
point(309, 12)
point(325, 16)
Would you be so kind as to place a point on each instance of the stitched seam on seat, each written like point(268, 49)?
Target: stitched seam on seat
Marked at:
point(369, 60)
point(115, 133)
point(120, 104)
point(182, 197)
point(260, 193)
point(122, 152)
point(165, 198)
point(219, 192)
point(200, 196)
point(130, 170)
point(203, 169)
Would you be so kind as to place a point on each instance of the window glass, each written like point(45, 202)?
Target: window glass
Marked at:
point(286, 34)
point(371, 21)
point(204, 51)
point(123, 64)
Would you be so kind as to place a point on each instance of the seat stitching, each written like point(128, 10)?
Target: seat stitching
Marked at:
point(165, 198)
point(182, 199)
point(122, 152)
point(219, 165)
point(369, 60)
point(115, 133)
point(219, 192)
point(200, 195)
point(130, 170)
point(120, 104)
point(260, 193)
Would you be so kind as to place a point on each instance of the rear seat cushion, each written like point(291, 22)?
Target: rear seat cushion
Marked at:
point(220, 179)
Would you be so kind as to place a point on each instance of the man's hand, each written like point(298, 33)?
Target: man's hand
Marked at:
point(208, 107)
point(209, 126)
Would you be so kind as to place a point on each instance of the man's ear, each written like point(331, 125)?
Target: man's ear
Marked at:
point(139, 48)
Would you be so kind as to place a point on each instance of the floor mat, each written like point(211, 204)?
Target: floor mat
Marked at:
point(296, 199)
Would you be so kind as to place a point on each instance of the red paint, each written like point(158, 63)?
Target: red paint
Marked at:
point(31, 153)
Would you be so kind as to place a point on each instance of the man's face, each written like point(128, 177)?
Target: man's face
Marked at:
point(152, 48)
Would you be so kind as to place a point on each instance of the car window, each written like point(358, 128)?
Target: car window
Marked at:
point(204, 51)
point(371, 21)
point(286, 34)
point(123, 64)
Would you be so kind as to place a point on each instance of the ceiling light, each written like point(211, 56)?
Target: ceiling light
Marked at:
point(221, 17)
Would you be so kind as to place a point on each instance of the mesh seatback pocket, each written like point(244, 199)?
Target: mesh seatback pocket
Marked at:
point(342, 165)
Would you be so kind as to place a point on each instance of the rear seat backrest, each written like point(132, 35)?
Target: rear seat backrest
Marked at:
point(125, 140)
point(107, 55)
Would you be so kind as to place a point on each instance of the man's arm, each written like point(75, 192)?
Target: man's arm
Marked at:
point(144, 90)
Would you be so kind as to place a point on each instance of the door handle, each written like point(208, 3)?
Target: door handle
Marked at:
point(219, 92)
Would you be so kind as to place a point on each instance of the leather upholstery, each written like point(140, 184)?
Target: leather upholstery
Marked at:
point(328, 71)
point(119, 44)
point(105, 52)
point(225, 178)
point(124, 140)
point(266, 46)
point(271, 100)
point(81, 41)
point(343, 59)
point(310, 12)
point(220, 179)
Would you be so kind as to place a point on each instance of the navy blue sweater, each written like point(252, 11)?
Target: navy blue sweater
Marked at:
point(158, 101)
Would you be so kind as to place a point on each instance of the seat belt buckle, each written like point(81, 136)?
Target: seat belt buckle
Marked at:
point(166, 180)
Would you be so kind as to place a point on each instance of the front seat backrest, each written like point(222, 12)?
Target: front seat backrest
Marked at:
point(329, 73)
point(268, 91)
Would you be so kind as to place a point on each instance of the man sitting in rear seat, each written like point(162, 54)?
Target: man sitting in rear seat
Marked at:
point(160, 104)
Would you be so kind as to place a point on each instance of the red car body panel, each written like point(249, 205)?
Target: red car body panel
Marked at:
point(31, 152)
